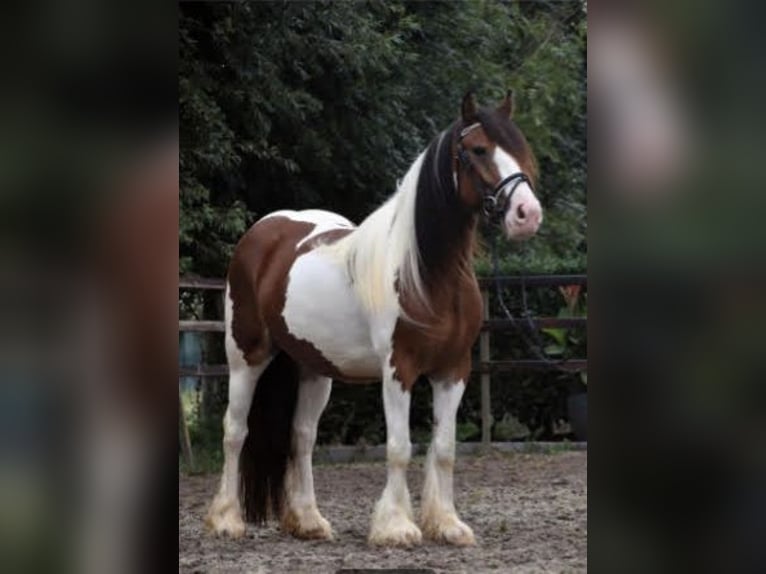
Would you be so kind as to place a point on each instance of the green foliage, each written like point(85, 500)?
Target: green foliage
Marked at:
point(567, 343)
point(354, 416)
point(509, 428)
point(467, 430)
point(326, 104)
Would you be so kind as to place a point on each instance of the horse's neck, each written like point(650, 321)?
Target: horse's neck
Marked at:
point(421, 238)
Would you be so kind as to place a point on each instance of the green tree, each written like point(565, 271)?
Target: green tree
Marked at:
point(325, 104)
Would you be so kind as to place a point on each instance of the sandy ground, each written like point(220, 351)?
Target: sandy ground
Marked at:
point(528, 512)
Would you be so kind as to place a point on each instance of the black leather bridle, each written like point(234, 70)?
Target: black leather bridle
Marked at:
point(495, 200)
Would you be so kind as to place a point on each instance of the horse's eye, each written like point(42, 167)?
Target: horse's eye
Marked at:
point(480, 151)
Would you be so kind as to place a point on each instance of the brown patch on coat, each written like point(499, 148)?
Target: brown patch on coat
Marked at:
point(258, 276)
point(437, 343)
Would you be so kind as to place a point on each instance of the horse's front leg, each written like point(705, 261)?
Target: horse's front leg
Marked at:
point(392, 521)
point(439, 518)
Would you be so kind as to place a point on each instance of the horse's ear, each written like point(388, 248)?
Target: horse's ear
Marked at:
point(469, 107)
point(506, 106)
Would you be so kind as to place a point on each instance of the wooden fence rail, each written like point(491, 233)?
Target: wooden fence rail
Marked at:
point(488, 325)
point(484, 368)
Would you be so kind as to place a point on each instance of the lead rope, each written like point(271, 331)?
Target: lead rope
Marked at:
point(530, 334)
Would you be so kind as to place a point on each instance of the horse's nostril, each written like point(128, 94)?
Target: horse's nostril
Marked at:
point(520, 213)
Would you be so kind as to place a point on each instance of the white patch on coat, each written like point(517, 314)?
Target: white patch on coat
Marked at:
point(325, 221)
point(321, 307)
point(506, 165)
point(322, 220)
point(316, 216)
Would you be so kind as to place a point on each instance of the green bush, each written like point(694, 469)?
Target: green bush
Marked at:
point(326, 104)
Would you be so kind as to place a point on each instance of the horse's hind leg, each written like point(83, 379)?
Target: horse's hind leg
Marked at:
point(301, 517)
point(225, 513)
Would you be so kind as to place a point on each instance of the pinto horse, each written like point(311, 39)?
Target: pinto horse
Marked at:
point(310, 298)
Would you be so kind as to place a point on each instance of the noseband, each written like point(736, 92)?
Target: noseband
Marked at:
point(495, 200)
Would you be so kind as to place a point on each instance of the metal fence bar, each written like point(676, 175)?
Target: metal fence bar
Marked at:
point(535, 280)
point(540, 322)
point(573, 365)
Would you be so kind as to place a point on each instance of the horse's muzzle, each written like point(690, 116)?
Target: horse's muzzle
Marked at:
point(523, 219)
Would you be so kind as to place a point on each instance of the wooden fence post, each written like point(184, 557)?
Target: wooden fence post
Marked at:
point(183, 433)
point(486, 410)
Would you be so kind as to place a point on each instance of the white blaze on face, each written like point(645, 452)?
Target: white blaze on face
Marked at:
point(524, 215)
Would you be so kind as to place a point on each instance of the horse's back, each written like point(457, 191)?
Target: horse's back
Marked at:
point(278, 238)
point(319, 218)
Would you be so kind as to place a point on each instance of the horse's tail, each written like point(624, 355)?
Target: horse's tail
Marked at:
point(267, 447)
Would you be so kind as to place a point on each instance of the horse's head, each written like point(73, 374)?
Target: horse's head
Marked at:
point(496, 168)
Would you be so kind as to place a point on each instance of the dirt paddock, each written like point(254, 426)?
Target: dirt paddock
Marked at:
point(528, 512)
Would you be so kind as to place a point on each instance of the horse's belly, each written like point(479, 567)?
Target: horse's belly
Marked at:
point(322, 309)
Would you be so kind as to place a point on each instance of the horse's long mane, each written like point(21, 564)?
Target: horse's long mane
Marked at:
point(441, 218)
point(413, 236)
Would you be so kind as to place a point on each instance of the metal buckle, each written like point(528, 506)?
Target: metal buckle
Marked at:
point(490, 206)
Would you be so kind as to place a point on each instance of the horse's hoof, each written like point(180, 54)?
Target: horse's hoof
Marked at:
point(309, 525)
point(451, 530)
point(398, 532)
point(459, 534)
point(225, 523)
